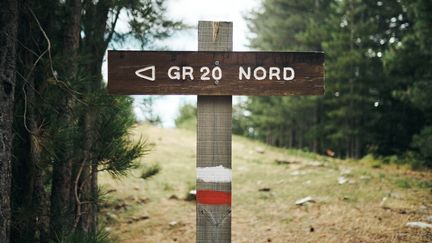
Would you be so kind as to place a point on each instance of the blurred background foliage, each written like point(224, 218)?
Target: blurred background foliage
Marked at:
point(378, 79)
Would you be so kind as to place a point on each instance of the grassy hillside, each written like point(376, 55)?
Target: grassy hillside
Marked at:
point(354, 202)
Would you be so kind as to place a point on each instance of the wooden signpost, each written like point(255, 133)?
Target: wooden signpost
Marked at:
point(215, 73)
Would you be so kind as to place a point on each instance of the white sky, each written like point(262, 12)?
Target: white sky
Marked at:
point(190, 12)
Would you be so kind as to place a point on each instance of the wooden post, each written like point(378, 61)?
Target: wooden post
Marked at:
point(213, 220)
point(234, 73)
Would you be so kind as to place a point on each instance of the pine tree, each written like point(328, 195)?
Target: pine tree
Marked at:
point(361, 111)
point(287, 26)
point(67, 128)
point(409, 61)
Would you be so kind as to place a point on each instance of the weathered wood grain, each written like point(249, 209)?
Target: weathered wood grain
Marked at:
point(214, 125)
point(308, 66)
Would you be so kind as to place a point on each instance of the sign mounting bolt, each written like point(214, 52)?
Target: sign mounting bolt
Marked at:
point(216, 82)
point(217, 63)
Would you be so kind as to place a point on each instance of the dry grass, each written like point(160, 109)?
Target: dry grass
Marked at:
point(352, 212)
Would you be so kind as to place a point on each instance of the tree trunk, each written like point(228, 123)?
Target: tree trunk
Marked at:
point(94, 43)
point(95, 197)
point(291, 138)
point(40, 220)
point(86, 179)
point(62, 181)
point(40, 205)
point(316, 121)
point(36, 226)
point(8, 33)
point(357, 147)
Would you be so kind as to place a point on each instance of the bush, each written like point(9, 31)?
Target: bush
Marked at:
point(422, 142)
point(187, 117)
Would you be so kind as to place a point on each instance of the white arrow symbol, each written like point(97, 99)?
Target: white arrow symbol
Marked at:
point(140, 71)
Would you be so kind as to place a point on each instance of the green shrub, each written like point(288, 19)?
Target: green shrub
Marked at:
point(403, 183)
point(187, 117)
point(422, 142)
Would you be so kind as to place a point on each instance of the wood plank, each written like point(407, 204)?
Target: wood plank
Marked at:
point(214, 125)
point(308, 73)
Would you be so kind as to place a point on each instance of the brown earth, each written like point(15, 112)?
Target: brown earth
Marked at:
point(372, 205)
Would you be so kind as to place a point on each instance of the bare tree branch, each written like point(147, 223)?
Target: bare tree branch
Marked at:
point(113, 25)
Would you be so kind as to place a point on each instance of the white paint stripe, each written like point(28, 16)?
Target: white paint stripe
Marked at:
point(214, 174)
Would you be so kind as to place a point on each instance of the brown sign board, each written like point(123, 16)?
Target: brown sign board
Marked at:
point(215, 73)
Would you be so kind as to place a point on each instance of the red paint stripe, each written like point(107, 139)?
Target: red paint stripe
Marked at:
point(213, 197)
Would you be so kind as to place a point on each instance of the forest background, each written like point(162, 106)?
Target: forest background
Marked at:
point(59, 128)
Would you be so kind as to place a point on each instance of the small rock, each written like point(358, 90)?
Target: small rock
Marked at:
point(383, 203)
point(108, 229)
point(311, 229)
point(264, 189)
point(305, 200)
point(136, 188)
point(329, 152)
point(429, 218)
point(259, 150)
point(173, 223)
point(420, 225)
point(342, 180)
point(111, 216)
point(191, 196)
